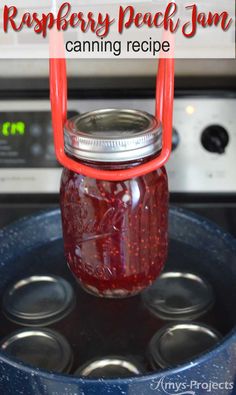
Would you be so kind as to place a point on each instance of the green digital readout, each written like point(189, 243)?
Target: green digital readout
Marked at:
point(12, 128)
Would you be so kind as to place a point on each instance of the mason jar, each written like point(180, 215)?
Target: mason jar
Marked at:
point(115, 232)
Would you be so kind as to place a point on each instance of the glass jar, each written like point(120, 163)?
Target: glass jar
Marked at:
point(115, 232)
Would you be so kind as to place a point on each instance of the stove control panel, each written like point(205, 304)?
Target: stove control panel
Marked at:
point(26, 139)
point(203, 156)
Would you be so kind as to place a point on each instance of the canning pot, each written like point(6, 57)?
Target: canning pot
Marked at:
point(33, 246)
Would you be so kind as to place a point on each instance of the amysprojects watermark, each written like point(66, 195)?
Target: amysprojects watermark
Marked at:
point(191, 387)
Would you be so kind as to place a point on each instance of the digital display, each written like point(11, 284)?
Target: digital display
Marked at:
point(8, 128)
point(26, 139)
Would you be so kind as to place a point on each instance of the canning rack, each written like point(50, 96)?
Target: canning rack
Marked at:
point(58, 96)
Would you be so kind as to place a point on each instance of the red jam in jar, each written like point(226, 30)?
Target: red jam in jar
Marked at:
point(115, 232)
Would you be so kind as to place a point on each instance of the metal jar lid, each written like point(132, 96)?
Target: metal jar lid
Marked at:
point(38, 300)
point(112, 135)
point(178, 296)
point(176, 344)
point(45, 349)
point(109, 367)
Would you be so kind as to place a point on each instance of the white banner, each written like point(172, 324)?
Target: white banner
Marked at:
point(111, 29)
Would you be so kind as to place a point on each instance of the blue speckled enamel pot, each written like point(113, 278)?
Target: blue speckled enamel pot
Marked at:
point(213, 372)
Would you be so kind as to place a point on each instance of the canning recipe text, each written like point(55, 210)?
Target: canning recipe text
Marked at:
point(115, 47)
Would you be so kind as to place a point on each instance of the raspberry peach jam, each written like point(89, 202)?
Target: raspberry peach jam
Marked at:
point(115, 232)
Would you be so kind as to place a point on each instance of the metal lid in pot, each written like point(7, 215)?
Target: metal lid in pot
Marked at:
point(45, 349)
point(112, 135)
point(38, 300)
point(178, 296)
point(176, 344)
point(109, 367)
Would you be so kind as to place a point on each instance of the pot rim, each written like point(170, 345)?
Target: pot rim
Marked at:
point(203, 358)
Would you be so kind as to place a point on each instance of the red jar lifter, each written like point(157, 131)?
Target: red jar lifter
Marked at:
point(164, 112)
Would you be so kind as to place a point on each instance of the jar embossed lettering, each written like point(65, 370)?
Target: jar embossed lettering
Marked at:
point(115, 232)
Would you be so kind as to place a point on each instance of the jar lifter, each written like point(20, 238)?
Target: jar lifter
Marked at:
point(58, 96)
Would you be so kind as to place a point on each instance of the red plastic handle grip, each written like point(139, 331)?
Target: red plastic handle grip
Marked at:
point(164, 112)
